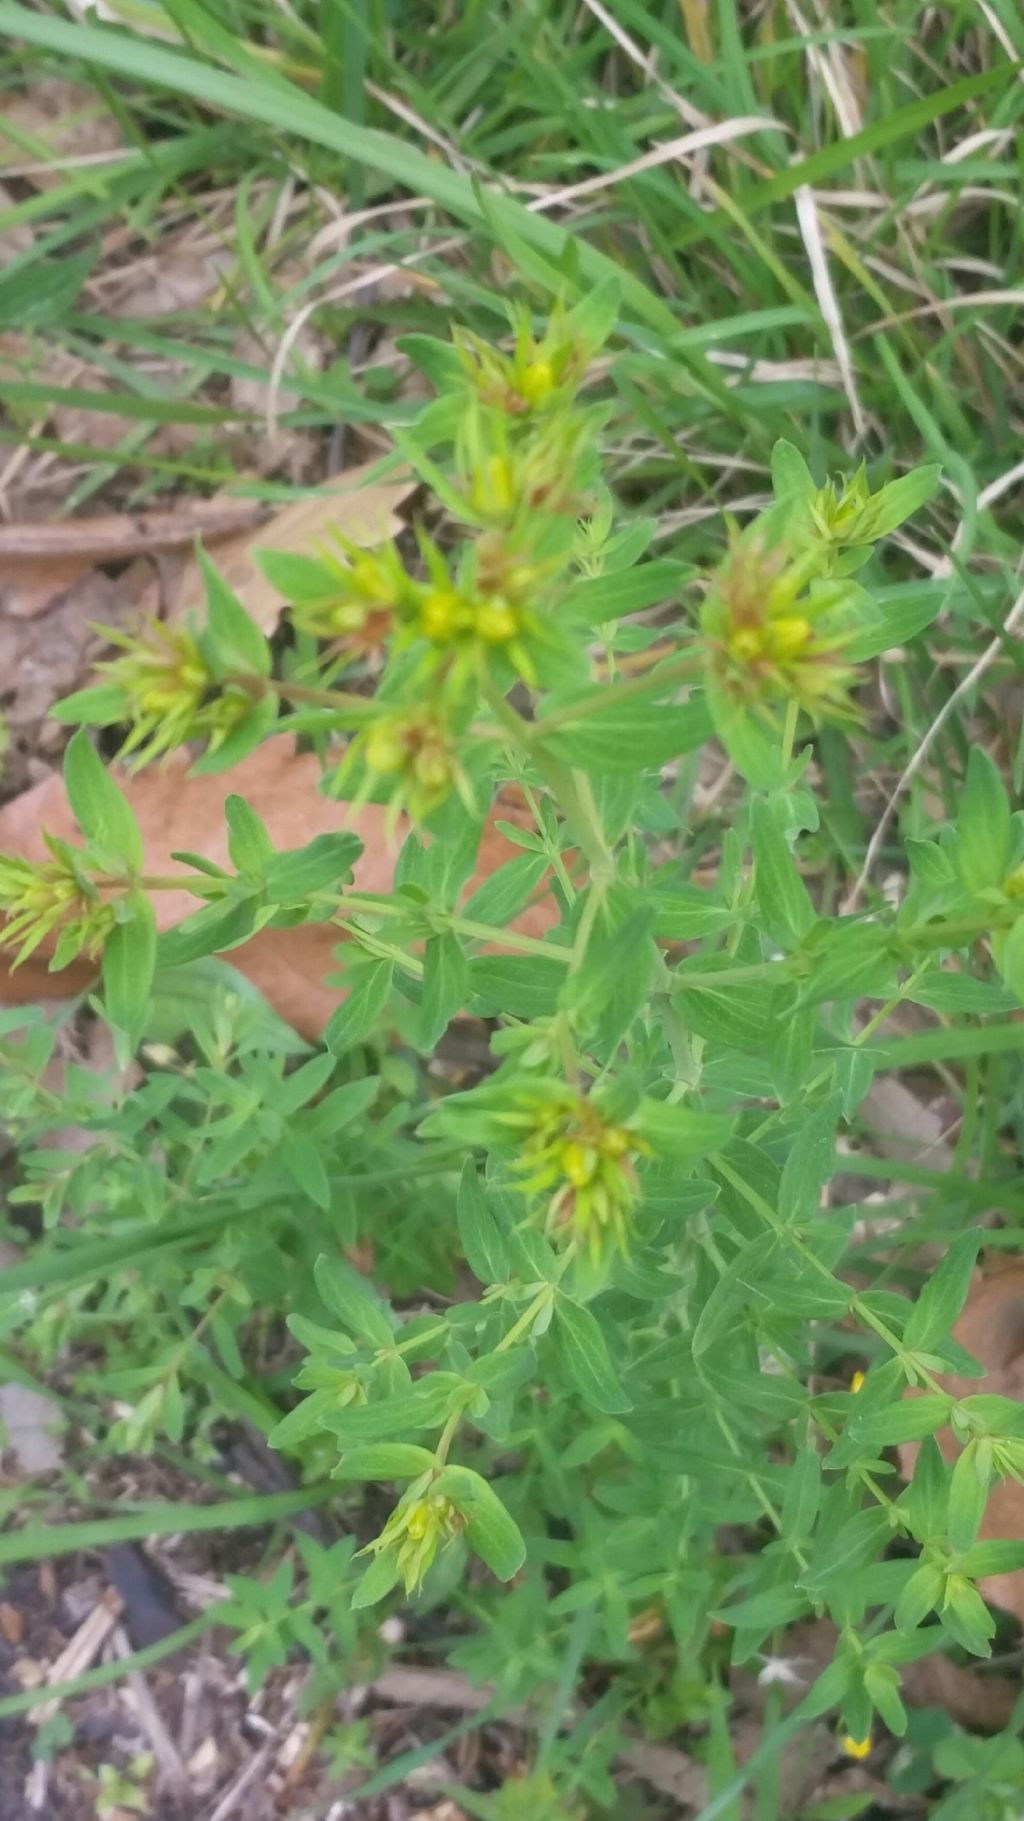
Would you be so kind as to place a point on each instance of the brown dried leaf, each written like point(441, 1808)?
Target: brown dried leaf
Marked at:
point(32, 585)
point(367, 514)
point(178, 812)
point(68, 121)
point(992, 1330)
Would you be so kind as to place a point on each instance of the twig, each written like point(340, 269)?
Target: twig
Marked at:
point(132, 534)
point(164, 1749)
point(229, 1803)
point(80, 1651)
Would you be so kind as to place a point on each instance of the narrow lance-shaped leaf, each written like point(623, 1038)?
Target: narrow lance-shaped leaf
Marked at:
point(945, 1293)
point(103, 814)
point(585, 1356)
point(491, 1531)
point(129, 963)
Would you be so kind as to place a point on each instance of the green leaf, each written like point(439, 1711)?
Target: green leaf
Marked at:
point(319, 866)
point(803, 1494)
point(755, 755)
point(345, 1294)
point(483, 1244)
point(898, 499)
point(983, 831)
point(377, 1582)
point(686, 913)
point(384, 1461)
point(507, 891)
point(630, 736)
point(882, 1686)
point(239, 644)
point(966, 1616)
point(944, 1295)
point(585, 1356)
point(33, 1542)
point(245, 736)
point(102, 706)
point(782, 896)
point(809, 1165)
point(102, 813)
point(214, 930)
point(491, 1532)
point(906, 1420)
point(674, 1130)
point(595, 600)
point(359, 1014)
point(298, 578)
point(918, 1597)
point(792, 480)
point(445, 987)
point(927, 1497)
point(249, 844)
point(129, 964)
point(517, 986)
point(305, 1166)
point(747, 1278)
point(741, 1018)
point(905, 614)
point(968, 1496)
point(1009, 953)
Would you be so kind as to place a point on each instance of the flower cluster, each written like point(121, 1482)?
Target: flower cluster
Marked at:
point(421, 1524)
point(538, 374)
point(777, 632)
point(585, 1164)
point(165, 689)
point(53, 895)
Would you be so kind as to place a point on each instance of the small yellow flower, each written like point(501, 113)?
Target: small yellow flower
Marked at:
point(771, 637)
point(168, 688)
point(856, 1748)
point(444, 614)
point(53, 895)
point(421, 1524)
point(418, 751)
point(857, 1382)
point(586, 1165)
point(496, 622)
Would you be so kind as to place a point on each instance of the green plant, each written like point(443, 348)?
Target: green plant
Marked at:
point(669, 1314)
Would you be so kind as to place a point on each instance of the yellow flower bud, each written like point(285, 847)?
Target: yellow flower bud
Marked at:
point(432, 769)
point(788, 637)
point(617, 1141)
point(746, 645)
point(496, 622)
point(385, 750)
point(856, 1748)
point(579, 1163)
point(537, 382)
point(442, 614)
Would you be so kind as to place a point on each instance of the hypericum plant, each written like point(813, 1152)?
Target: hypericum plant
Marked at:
point(670, 1312)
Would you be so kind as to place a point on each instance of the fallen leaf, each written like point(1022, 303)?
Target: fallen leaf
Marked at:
point(365, 513)
point(44, 658)
point(68, 121)
point(41, 561)
point(176, 811)
point(991, 1328)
